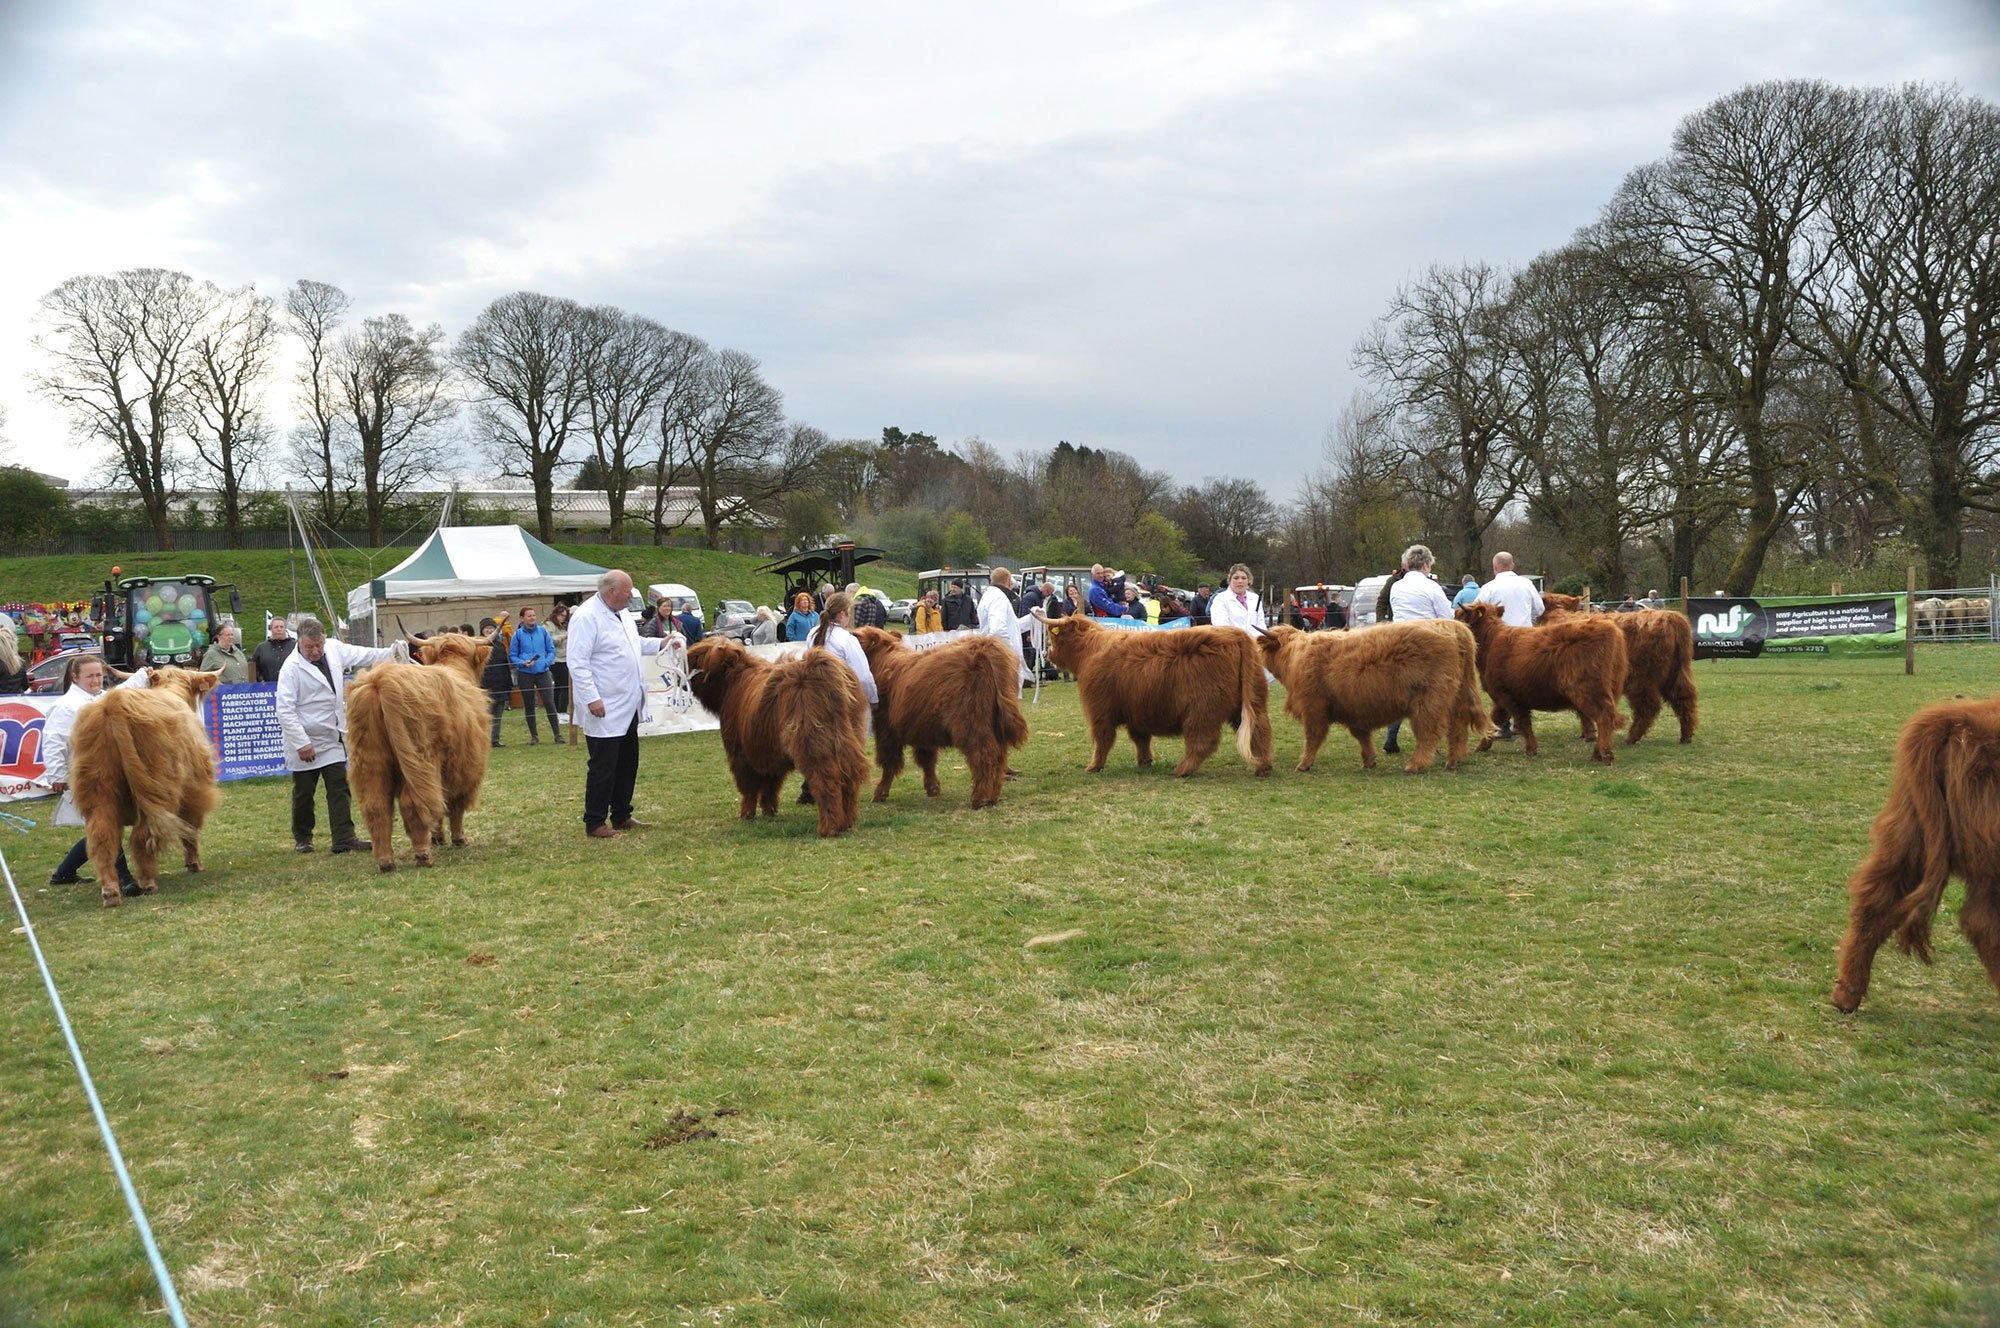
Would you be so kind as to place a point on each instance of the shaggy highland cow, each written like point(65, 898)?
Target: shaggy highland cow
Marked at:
point(140, 757)
point(417, 736)
point(964, 695)
point(1659, 664)
point(1576, 665)
point(806, 714)
point(1942, 819)
point(1423, 670)
point(1187, 682)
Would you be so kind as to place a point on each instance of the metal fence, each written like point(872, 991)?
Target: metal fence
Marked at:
point(1965, 613)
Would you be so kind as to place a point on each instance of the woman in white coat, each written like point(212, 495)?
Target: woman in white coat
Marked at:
point(83, 682)
point(312, 714)
point(1236, 605)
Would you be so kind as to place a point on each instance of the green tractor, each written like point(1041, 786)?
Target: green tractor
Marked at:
point(159, 620)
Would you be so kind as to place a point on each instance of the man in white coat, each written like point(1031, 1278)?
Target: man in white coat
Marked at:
point(997, 618)
point(312, 714)
point(609, 688)
point(1520, 606)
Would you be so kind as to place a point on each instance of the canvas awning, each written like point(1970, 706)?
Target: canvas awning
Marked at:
point(474, 562)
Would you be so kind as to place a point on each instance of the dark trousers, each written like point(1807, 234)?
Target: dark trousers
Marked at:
point(339, 805)
point(608, 781)
point(73, 861)
point(541, 685)
point(559, 671)
point(496, 704)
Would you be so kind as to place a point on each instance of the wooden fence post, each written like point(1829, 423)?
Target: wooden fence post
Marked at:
point(1684, 594)
point(1910, 625)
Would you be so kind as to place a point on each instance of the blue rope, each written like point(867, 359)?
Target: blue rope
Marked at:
point(160, 1274)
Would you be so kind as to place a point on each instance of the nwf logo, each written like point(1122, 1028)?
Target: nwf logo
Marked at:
point(1731, 623)
point(20, 740)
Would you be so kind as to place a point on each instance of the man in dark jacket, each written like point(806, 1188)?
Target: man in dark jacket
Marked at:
point(270, 654)
point(1198, 610)
point(957, 608)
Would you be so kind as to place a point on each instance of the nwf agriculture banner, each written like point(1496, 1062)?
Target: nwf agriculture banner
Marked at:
point(1850, 625)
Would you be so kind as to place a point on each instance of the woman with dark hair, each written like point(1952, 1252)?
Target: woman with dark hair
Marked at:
point(498, 678)
point(836, 634)
point(558, 626)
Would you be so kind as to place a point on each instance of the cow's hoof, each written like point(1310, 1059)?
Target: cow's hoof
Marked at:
point(112, 899)
point(459, 841)
point(1303, 767)
point(194, 866)
point(1486, 744)
point(385, 867)
point(1844, 1001)
point(425, 860)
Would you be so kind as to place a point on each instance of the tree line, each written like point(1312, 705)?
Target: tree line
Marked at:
point(1780, 339)
point(1783, 333)
point(171, 373)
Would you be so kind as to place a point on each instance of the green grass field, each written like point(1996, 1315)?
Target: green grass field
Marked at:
point(265, 578)
point(1533, 1043)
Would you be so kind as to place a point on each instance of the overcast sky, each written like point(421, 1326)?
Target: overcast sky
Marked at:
point(1158, 227)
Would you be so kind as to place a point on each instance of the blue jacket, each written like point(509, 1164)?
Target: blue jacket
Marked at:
point(690, 626)
point(532, 650)
point(799, 626)
point(1100, 603)
point(1466, 594)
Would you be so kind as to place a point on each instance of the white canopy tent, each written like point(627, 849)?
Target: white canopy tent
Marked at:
point(462, 574)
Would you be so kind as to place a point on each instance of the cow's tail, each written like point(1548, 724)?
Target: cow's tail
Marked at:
point(1936, 773)
point(1253, 720)
point(1010, 724)
point(396, 734)
point(1476, 719)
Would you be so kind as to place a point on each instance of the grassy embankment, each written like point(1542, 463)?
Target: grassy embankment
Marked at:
point(1533, 1043)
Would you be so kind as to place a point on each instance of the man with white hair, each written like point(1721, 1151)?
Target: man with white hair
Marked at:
point(607, 683)
point(997, 617)
point(1520, 606)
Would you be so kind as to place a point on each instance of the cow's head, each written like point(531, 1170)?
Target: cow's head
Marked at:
point(1067, 639)
point(467, 652)
point(190, 685)
point(876, 642)
point(1478, 616)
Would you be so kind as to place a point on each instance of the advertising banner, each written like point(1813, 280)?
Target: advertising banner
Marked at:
point(1845, 625)
point(1141, 625)
point(242, 722)
point(21, 746)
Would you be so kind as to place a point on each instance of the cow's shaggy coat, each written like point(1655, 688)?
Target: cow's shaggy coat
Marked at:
point(140, 757)
point(1425, 671)
point(965, 695)
point(1575, 665)
point(806, 714)
point(1187, 682)
point(418, 737)
point(1942, 819)
point(1659, 664)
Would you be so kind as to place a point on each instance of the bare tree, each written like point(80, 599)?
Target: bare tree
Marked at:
point(313, 313)
point(1720, 227)
point(728, 437)
point(1441, 359)
point(118, 347)
point(228, 361)
point(1908, 313)
point(634, 372)
point(389, 382)
point(524, 356)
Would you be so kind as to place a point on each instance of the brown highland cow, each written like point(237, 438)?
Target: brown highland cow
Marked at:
point(1576, 665)
point(1659, 664)
point(1187, 682)
point(418, 737)
point(140, 757)
point(1942, 819)
point(965, 695)
point(807, 714)
point(1425, 670)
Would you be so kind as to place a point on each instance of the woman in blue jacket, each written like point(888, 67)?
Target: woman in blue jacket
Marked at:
point(802, 621)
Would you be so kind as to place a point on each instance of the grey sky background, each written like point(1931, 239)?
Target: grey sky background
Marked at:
point(1155, 227)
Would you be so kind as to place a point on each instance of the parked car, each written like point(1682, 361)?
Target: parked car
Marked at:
point(735, 619)
point(899, 610)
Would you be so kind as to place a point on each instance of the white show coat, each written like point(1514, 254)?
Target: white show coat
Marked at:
point(1520, 603)
point(56, 726)
point(1225, 610)
point(604, 653)
point(311, 714)
point(1417, 596)
point(843, 643)
point(997, 618)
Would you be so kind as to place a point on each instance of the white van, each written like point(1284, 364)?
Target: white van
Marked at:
point(1368, 590)
point(680, 596)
